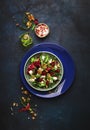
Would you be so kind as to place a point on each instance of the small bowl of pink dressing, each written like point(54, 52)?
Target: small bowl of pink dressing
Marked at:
point(42, 30)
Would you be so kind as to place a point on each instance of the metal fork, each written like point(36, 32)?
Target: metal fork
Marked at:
point(55, 93)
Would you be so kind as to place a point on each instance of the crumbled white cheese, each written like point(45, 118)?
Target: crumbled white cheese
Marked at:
point(55, 78)
point(32, 80)
point(50, 61)
point(30, 72)
point(43, 76)
point(43, 57)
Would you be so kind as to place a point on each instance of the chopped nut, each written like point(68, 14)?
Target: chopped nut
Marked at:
point(31, 112)
point(25, 92)
point(27, 13)
point(33, 118)
point(29, 17)
point(32, 17)
point(14, 104)
point(22, 88)
point(17, 24)
point(30, 95)
point(39, 71)
point(23, 98)
point(28, 99)
point(35, 114)
point(28, 118)
point(28, 24)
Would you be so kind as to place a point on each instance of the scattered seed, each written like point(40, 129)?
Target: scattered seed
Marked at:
point(25, 92)
point(28, 99)
point(31, 112)
point(22, 88)
point(33, 117)
point(14, 104)
point(27, 13)
point(23, 98)
point(17, 24)
point(35, 114)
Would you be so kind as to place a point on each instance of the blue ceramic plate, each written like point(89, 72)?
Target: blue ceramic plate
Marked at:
point(68, 64)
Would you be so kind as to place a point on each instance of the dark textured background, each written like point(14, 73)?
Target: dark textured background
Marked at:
point(69, 22)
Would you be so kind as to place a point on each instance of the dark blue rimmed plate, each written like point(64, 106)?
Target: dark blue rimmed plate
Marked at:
point(68, 64)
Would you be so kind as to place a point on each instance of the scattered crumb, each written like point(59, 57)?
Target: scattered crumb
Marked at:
point(31, 112)
point(26, 98)
point(25, 92)
point(16, 104)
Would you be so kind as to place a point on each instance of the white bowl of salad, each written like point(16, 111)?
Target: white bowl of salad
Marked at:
point(43, 71)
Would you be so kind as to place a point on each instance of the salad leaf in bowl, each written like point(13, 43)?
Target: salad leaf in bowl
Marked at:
point(43, 71)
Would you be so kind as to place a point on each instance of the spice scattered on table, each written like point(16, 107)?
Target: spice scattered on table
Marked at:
point(24, 105)
point(30, 23)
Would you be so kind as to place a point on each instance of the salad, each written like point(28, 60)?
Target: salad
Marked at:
point(43, 71)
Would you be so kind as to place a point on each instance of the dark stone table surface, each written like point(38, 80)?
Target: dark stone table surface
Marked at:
point(69, 22)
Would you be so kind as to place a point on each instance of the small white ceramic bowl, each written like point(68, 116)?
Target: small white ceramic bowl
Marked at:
point(42, 30)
